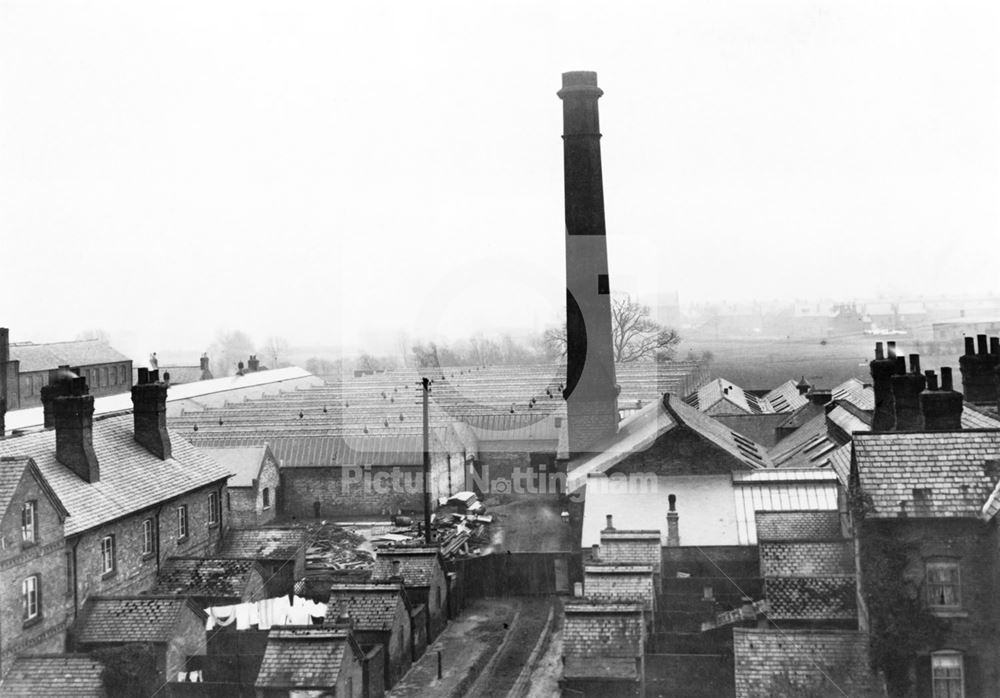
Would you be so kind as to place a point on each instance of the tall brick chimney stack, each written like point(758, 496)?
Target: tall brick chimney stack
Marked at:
point(942, 407)
point(149, 410)
point(883, 368)
point(591, 391)
point(978, 366)
point(73, 414)
point(4, 361)
point(906, 389)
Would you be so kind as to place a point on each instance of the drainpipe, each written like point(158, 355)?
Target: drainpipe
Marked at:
point(76, 584)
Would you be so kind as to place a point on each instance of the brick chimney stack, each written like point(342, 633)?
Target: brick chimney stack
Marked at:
point(941, 406)
point(591, 392)
point(60, 380)
point(906, 389)
point(978, 366)
point(673, 523)
point(149, 410)
point(4, 363)
point(882, 369)
point(73, 416)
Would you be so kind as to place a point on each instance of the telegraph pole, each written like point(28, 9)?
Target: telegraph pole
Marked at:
point(427, 463)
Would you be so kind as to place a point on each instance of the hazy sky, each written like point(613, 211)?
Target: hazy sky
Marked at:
point(329, 170)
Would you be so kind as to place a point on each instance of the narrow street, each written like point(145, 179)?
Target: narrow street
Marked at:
point(494, 649)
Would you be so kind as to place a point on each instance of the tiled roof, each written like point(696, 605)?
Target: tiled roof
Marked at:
point(181, 374)
point(54, 676)
point(641, 430)
point(417, 566)
point(786, 397)
point(926, 474)
point(245, 463)
point(798, 525)
point(975, 418)
point(12, 471)
point(264, 543)
point(42, 357)
point(132, 478)
point(303, 658)
point(812, 598)
point(840, 462)
point(370, 606)
point(857, 393)
point(114, 619)
point(191, 576)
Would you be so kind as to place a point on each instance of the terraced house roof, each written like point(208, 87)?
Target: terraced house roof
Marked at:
point(930, 474)
point(43, 357)
point(370, 606)
point(191, 576)
point(132, 479)
point(264, 543)
point(417, 566)
point(303, 658)
point(116, 619)
point(54, 676)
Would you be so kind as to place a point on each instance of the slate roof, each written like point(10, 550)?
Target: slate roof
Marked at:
point(12, 472)
point(371, 606)
point(417, 566)
point(975, 418)
point(245, 463)
point(43, 357)
point(205, 577)
point(115, 619)
point(54, 676)
point(840, 462)
point(856, 392)
point(303, 658)
point(132, 478)
point(926, 474)
point(786, 397)
point(811, 598)
point(641, 430)
point(798, 525)
point(264, 543)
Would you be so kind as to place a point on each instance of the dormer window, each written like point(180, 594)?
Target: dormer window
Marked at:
point(29, 523)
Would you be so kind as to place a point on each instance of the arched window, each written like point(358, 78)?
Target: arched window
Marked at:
point(267, 498)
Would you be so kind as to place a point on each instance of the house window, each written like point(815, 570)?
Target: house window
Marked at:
point(29, 523)
point(213, 508)
point(267, 498)
point(147, 537)
point(943, 584)
point(107, 554)
point(69, 573)
point(30, 600)
point(182, 522)
point(946, 673)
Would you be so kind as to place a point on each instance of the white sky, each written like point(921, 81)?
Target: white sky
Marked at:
point(330, 171)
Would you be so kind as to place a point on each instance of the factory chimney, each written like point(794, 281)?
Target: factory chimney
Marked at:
point(591, 392)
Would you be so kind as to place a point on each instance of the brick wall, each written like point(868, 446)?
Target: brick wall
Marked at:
point(637, 548)
point(350, 681)
point(603, 630)
point(135, 572)
point(620, 583)
point(47, 559)
point(799, 559)
point(800, 657)
point(684, 453)
point(374, 490)
point(797, 525)
point(246, 504)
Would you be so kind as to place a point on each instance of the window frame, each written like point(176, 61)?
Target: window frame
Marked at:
point(31, 506)
point(947, 564)
point(214, 510)
point(182, 523)
point(27, 596)
point(108, 554)
point(266, 498)
point(947, 693)
point(148, 539)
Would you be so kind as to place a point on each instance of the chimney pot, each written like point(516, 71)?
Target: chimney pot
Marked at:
point(143, 375)
point(914, 363)
point(879, 354)
point(899, 365)
point(932, 381)
point(672, 502)
point(891, 347)
point(970, 345)
point(610, 525)
point(595, 552)
point(995, 347)
point(983, 344)
point(946, 383)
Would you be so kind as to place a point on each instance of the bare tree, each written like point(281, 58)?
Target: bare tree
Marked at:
point(230, 348)
point(635, 336)
point(274, 348)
